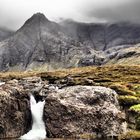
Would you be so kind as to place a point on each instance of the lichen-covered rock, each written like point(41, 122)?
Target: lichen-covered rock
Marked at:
point(83, 109)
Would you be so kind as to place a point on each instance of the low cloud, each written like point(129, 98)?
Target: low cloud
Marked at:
point(125, 11)
point(13, 13)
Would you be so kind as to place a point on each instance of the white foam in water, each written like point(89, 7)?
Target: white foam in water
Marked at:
point(2, 83)
point(38, 131)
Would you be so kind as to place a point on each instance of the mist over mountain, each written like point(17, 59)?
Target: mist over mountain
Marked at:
point(14, 13)
point(5, 33)
point(103, 36)
point(41, 43)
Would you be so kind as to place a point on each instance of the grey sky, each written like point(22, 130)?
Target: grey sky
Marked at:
point(113, 10)
point(13, 13)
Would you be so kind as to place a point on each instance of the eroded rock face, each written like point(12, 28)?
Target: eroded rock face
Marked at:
point(83, 109)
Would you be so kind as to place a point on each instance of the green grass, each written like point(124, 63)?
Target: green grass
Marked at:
point(135, 108)
point(129, 100)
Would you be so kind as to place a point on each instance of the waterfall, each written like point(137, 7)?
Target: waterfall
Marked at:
point(38, 131)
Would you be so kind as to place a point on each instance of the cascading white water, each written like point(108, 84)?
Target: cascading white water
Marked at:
point(38, 131)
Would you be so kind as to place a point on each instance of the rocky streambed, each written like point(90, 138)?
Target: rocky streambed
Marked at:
point(69, 111)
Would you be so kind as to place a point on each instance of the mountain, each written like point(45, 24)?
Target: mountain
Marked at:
point(43, 44)
point(5, 33)
point(39, 42)
point(103, 36)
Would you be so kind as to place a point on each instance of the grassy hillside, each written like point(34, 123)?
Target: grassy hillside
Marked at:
point(117, 77)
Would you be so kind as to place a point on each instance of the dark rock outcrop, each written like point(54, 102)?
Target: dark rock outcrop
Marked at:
point(15, 111)
point(68, 111)
point(96, 59)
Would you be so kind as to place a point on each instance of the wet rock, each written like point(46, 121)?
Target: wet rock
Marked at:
point(15, 107)
point(83, 109)
point(14, 111)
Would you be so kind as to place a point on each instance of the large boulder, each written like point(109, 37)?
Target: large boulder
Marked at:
point(83, 109)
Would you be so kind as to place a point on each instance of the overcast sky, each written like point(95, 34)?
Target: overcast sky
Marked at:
point(13, 13)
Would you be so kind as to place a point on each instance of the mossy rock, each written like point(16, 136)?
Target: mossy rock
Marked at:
point(122, 89)
point(128, 100)
point(135, 108)
point(137, 89)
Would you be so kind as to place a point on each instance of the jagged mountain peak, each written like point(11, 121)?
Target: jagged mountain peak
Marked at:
point(39, 16)
point(36, 19)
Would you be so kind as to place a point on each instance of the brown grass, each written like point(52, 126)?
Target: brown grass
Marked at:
point(122, 78)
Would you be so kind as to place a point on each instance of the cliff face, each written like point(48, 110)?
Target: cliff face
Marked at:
point(43, 44)
point(103, 36)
